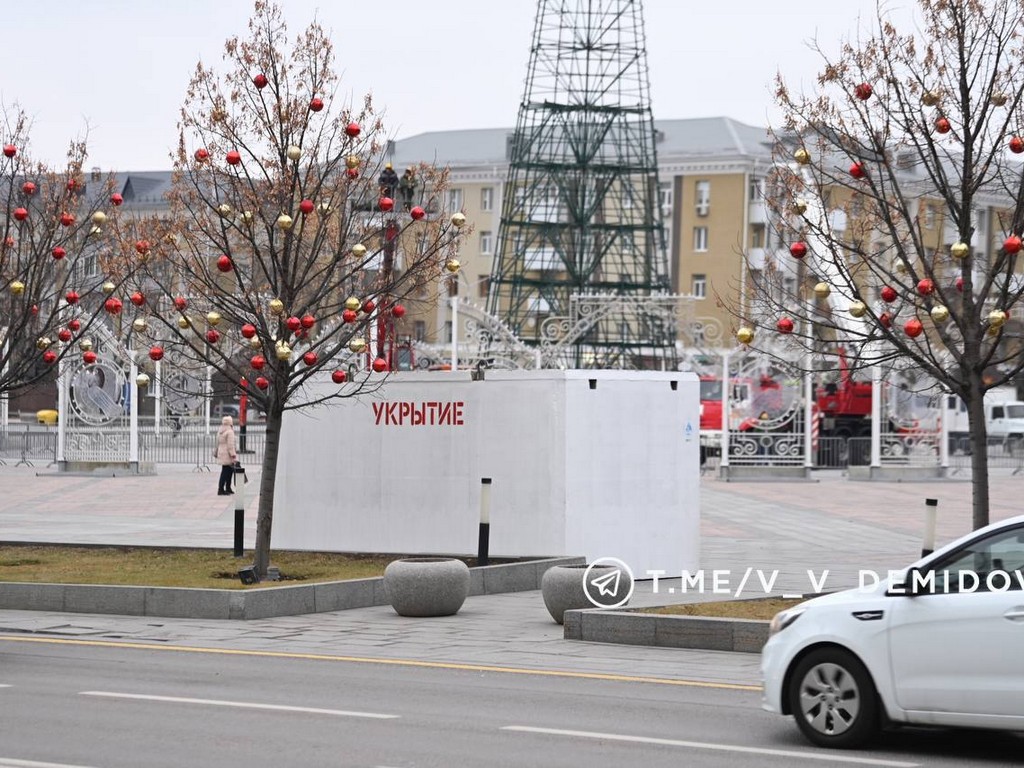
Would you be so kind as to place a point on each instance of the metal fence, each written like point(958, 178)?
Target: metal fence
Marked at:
point(22, 446)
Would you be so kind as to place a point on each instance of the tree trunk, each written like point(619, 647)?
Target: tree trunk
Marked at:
point(979, 451)
point(265, 519)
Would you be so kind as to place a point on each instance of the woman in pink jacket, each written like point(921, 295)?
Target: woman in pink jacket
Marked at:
point(227, 456)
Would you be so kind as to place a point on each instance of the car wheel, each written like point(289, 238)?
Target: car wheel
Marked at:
point(833, 699)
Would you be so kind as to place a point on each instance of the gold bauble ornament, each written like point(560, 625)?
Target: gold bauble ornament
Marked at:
point(939, 313)
point(959, 250)
point(993, 330)
point(357, 345)
point(213, 318)
point(998, 98)
point(284, 222)
point(139, 324)
point(822, 290)
point(43, 342)
point(276, 306)
point(452, 265)
point(142, 380)
point(224, 210)
point(900, 266)
point(324, 207)
point(247, 217)
point(352, 161)
point(85, 345)
point(293, 152)
point(857, 309)
point(745, 334)
point(359, 250)
point(99, 218)
point(282, 350)
point(802, 156)
point(458, 219)
point(799, 207)
point(184, 322)
point(108, 287)
point(996, 318)
point(255, 342)
point(353, 303)
point(94, 230)
point(17, 287)
point(930, 98)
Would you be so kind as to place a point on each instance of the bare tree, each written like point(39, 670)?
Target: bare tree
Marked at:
point(60, 256)
point(286, 258)
point(898, 196)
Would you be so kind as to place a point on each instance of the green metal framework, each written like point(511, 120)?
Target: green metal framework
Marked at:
point(580, 215)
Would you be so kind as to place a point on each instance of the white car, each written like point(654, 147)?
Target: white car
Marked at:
point(940, 643)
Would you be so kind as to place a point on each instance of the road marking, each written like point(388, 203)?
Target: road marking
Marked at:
point(10, 762)
point(239, 704)
point(831, 757)
point(5, 685)
point(391, 662)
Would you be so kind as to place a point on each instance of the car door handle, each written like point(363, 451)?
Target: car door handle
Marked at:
point(1015, 614)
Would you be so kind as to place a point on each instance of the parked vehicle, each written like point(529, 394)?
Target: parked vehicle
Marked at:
point(1004, 420)
point(937, 644)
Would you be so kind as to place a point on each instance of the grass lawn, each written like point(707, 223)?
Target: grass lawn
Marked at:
point(154, 567)
point(760, 608)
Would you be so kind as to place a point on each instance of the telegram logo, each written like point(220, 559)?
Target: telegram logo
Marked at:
point(608, 582)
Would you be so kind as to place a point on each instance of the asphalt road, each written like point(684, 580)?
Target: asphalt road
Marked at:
point(74, 704)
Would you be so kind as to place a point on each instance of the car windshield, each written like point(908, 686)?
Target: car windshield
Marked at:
point(711, 390)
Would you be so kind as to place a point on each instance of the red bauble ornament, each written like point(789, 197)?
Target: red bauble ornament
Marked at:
point(248, 330)
point(349, 315)
point(925, 286)
point(234, 157)
point(417, 213)
point(35, 309)
point(316, 104)
point(202, 155)
point(1016, 145)
point(28, 188)
point(213, 335)
point(309, 358)
point(959, 284)
point(863, 91)
point(58, 252)
point(64, 335)
point(885, 319)
point(293, 323)
point(385, 204)
point(308, 321)
point(306, 206)
point(798, 249)
point(156, 353)
point(113, 305)
point(72, 185)
point(116, 198)
point(942, 125)
point(785, 325)
point(8, 242)
point(67, 219)
point(858, 171)
point(1012, 244)
point(262, 382)
point(352, 173)
point(21, 214)
point(913, 328)
point(137, 298)
point(142, 247)
point(10, 150)
point(260, 81)
point(352, 129)
point(224, 263)
point(75, 324)
point(369, 305)
point(71, 297)
point(339, 377)
point(888, 293)
point(302, 333)
point(89, 357)
point(180, 302)
point(49, 357)
point(380, 365)
point(257, 362)
point(398, 310)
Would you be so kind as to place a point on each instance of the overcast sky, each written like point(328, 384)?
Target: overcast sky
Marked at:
point(120, 67)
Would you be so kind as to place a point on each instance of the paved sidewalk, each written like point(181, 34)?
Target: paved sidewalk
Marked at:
point(833, 523)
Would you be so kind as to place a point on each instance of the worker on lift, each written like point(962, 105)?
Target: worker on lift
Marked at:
point(407, 186)
point(388, 181)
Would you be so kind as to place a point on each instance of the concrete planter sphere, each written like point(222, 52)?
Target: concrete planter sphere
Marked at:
point(426, 586)
point(562, 588)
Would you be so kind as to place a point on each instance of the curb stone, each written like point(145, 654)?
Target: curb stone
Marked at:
point(693, 632)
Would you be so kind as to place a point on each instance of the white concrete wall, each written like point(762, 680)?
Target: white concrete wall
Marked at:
point(603, 472)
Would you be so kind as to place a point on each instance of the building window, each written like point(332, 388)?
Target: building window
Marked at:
point(483, 286)
point(448, 332)
point(665, 198)
point(487, 199)
point(419, 330)
point(757, 236)
point(455, 199)
point(627, 195)
point(703, 198)
point(929, 216)
point(756, 193)
point(699, 288)
point(700, 239)
point(486, 242)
